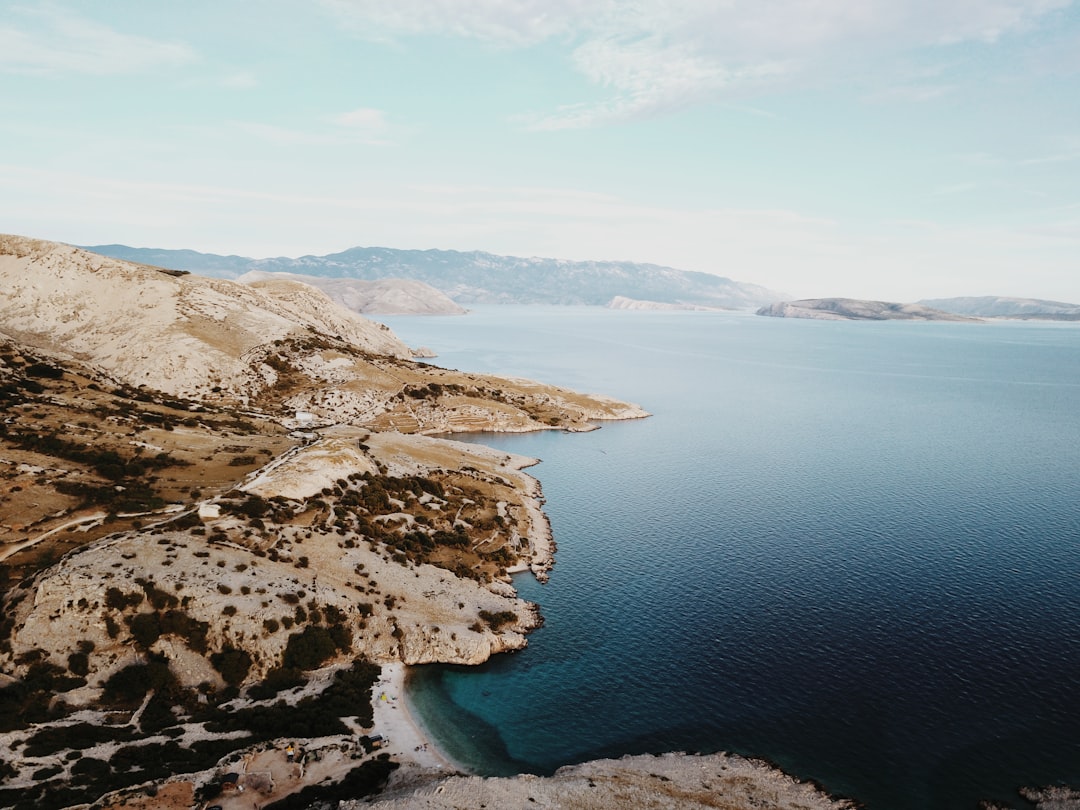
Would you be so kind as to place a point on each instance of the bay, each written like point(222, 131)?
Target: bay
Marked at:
point(850, 548)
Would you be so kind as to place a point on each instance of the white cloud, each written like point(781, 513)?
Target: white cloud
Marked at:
point(360, 126)
point(750, 30)
point(364, 124)
point(658, 55)
point(506, 23)
point(286, 136)
point(51, 41)
point(242, 80)
point(648, 79)
point(950, 189)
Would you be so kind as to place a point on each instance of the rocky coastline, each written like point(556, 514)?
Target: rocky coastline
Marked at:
point(224, 503)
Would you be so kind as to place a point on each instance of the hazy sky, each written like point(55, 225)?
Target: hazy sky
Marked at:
point(891, 149)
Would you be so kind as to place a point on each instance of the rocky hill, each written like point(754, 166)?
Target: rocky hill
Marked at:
point(991, 306)
point(851, 309)
point(483, 278)
point(389, 296)
point(219, 504)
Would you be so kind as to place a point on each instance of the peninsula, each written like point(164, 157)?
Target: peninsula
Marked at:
point(222, 511)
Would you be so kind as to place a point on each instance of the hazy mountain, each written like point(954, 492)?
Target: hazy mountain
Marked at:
point(991, 306)
point(851, 309)
point(207, 264)
point(388, 296)
point(483, 278)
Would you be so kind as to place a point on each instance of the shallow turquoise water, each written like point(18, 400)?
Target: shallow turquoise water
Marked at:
point(852, 548)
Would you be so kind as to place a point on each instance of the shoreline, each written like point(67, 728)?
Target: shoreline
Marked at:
point(408, 741)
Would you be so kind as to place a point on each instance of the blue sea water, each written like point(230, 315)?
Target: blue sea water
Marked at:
point(850, 548)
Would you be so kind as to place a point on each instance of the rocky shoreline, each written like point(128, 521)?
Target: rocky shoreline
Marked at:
point(675, 780)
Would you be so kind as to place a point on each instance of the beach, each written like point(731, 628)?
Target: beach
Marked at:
point(407, 741)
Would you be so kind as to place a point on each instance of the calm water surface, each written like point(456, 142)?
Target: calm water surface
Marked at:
point(851, 548)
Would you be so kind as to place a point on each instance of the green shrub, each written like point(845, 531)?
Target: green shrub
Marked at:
point(89, 769)
point(118, 600)
point(233, 665)
point(131, 683)
point(145, 628)
point(277, 680)
point(309, 648)
point(497, 620)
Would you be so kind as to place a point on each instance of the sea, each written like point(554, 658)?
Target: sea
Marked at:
point(849, 548)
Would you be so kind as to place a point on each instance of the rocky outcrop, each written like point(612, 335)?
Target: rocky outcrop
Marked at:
point(1053, 798)
point(852, 309)
point(675, 781)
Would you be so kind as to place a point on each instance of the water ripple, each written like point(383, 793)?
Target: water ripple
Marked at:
point(851, 550)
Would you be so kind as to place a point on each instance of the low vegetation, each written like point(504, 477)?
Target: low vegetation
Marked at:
point(85, 459)
point(133, 754)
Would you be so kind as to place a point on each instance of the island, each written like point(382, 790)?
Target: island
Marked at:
point(853, 309)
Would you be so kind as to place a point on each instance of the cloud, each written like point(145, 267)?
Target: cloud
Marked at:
point(518, 23)
point(51, 41)
point(950, 189)
point(655, 56)
point(242, 80)
point(364, 125)
point(750, 30)
point(648, 79)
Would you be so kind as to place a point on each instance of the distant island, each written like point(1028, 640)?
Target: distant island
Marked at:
point(854, 309)
point(992, 306)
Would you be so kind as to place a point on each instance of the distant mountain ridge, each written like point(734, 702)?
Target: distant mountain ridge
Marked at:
point(993, 306)
point(388, 296)
point(477, 277)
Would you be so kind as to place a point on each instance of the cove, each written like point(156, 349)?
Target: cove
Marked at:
point(850, 548)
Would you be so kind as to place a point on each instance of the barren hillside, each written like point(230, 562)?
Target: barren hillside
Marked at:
point(210, 493)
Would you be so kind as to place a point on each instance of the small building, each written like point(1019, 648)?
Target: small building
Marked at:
point(209, 511)
point(372, 742)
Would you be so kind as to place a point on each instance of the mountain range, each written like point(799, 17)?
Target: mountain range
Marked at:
point(476, 277)
point(991, 306)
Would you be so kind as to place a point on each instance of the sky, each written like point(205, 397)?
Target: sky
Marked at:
point(889, 149)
